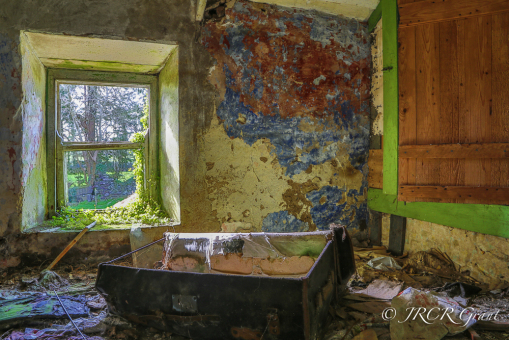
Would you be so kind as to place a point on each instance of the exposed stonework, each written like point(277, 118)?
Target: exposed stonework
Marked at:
point(296, 165)
point(293, 93)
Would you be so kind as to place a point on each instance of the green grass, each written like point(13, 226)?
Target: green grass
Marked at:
point(73, 179)
point(124, 176)
point(101, 204)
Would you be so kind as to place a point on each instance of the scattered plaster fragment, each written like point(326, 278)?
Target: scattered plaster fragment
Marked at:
point(317, 80)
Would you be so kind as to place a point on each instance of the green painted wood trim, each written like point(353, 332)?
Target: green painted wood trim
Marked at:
point(50, 144)
point(390, 78)
point(375, 17)
point(480, 218)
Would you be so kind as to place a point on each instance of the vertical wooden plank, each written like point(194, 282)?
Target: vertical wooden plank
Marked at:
point(375, 227)
point(462, 121)
point(50, 144)
point(390, 63)
point(477, 95)
point(375, 166)
point(449, 102)
point(499, 122)
point(428, 101)
point(397, 235)
point(487, 101)
point(407, 101)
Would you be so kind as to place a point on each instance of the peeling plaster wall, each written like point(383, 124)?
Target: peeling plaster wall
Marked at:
point(273, 118)
point(169, 136)
point(163, 21)
point(359, 9)
point(288, 149)
point(10, 142)
point(33, 152)
point(485, 256)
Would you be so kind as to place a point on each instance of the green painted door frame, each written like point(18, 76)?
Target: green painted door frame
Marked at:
point(482, 218)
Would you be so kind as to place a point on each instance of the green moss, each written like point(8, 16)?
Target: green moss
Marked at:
point(14, 310)
point(313, 250)
point(100, 204)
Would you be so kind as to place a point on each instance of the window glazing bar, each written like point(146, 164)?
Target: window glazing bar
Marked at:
point(82, 146)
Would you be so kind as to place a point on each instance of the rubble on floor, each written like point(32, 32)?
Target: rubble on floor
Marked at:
point(429, 285)
point(381, 282)
point(28, 310)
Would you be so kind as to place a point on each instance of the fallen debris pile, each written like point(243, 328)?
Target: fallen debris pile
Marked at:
point(405, 297)
point(30, 311)
point(421, 296)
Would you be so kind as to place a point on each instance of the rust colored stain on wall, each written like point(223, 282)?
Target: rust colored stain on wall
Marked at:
point(296, 83)
point(290, 64)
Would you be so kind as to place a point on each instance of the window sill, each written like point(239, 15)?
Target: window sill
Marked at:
point(102, 227)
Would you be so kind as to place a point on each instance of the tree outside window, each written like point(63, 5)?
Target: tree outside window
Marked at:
point(96, 125)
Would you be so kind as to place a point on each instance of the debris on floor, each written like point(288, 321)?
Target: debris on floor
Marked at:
point(406, 297)
point(30, 311)
point(428, 315)
point(373, 306)
point(19, 307)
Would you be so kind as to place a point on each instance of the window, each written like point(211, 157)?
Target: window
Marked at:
point(93, 117)
point(54, 150)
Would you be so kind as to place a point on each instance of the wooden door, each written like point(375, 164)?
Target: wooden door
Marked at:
point(454, 101)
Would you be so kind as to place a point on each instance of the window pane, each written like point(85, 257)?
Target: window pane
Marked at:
point(99, 179)
point(101, 113)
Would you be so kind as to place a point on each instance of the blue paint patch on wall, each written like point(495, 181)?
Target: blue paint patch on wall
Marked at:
point(286, 136)
point(283, 222)
point(328, 212)
point(332, 212)
point(233, 44)
point(361, 210)
point(299, 80)
point(349, 32)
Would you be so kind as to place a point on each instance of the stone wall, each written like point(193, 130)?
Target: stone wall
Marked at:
point(483, 256)
point(273, 118)
point(288, 148)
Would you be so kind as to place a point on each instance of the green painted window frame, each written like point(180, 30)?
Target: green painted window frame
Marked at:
point(482, 218)
point(55, 147)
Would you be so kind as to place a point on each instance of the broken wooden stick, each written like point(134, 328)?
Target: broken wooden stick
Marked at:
point(70, 245)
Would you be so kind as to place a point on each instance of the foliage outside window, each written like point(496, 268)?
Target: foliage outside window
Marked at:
point(94, 116)
point(100, 157)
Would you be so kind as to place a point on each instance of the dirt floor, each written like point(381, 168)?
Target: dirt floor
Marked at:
point(359, 314)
